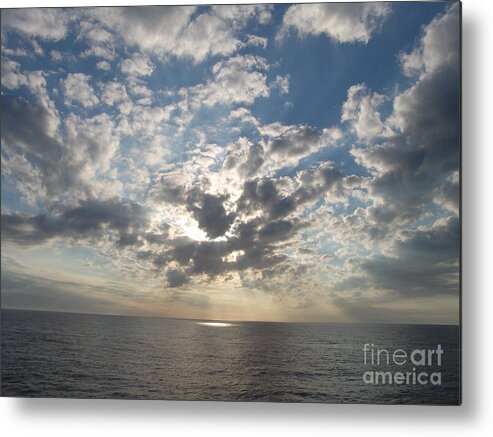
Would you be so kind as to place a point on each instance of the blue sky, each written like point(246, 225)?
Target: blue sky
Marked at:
point(255, 162)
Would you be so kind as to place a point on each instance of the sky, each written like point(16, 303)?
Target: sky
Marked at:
point(290, 162)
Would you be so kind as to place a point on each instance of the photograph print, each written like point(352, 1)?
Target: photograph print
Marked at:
point(244, 202)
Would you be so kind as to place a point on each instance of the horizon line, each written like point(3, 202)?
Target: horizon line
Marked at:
point(230, 320)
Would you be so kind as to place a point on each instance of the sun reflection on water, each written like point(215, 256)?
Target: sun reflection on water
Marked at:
point(216, 324)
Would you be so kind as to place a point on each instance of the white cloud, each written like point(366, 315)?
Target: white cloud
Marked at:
point(13, 78)
point(56, 55)
point(78, 89)
point(244, 115)
point(6, 51)
point(239, 14)
point(94, 141)
point(46, 23)
point(94, 33)
point(342, 22)
point(37, 48)
point(103, 65)
point(281, 83)
point(151, 28)
point(256, 41)
point(147, 122)
point(239, 79)
point(138, 65)
point(448, 194)
point(173, 31)
point(114, 92)
point(361, 110)
point(99, 51)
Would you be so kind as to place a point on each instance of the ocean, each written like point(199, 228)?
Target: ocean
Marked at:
point(67, 355)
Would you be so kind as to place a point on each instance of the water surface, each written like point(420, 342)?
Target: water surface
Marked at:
point(48, 354)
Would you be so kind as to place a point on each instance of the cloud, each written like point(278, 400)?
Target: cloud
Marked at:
point(93, 141)
point(256, 41)
point(46, 23)
point(412, 169)
point(89, 219)
point(177, 31)
point(424, 150)
point(99, 51)
point(103, 65)
point(13, 78)
point(46, 165)
point(447, 195)
point(176, 278)
point(244, 157)
point(209, 212)
point(56, 55)
point(280, 197)
point(343, 22)
point(240, 79)
point(30, 146)
point(148, 28)
point(296, 141)
point(281, 83)
point(137, 65)
point(433, 252)
point(281, 146)
point(114, 92)
point(361, 110)
point(237, 241)
point(437, 47)
point(78, 89)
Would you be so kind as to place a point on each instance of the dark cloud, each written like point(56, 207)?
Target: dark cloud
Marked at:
point(168, 190)
point(297, 141)
point(253, 243)
point(128, 240)
point(27, 131)
point(87, 220)
point(269, 195)
point(263, 194)
point(45, 164)
point(207, 209)
point(208, 258)
point(209, 212)
point(176, 278)
point(276, 231)
point(426, 262)
point(183, 250)
point(254, 160)
point(25, 126)
point(409, 167)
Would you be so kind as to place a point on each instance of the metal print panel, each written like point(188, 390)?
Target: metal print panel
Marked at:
point(234, 202)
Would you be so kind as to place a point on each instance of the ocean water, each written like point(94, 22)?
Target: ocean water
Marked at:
point(48, 354)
